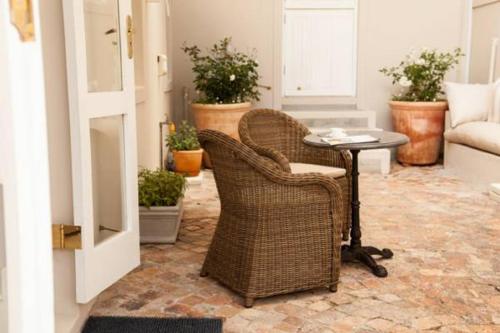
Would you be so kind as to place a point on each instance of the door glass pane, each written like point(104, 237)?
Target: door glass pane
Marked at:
point(107, 154)
point(102, 40)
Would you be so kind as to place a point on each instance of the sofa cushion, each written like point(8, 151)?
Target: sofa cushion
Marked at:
point(495, 188)
point(469, 102)
point(326, 170)
point(495, 111)
point(479, 134)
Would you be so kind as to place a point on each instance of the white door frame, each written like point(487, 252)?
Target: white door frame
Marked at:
point(24, 174)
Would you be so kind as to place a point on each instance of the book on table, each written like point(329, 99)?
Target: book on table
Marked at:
point(365, 138)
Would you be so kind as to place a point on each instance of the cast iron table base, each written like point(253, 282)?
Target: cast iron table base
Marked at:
point(355, 252)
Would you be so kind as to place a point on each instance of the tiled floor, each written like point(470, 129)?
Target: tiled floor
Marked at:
point(445, 275)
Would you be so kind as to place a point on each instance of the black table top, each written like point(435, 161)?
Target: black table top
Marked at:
point(387, 140)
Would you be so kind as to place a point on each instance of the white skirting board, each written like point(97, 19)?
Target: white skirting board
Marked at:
point(195, 180)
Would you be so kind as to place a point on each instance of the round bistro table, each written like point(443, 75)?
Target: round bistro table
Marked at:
point(355, 252)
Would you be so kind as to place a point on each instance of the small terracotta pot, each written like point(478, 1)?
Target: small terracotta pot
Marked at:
point(188, 162)
point(220, 117)
point(423, 123)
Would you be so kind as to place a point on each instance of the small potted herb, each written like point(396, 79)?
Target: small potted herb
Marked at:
point(186, 149)
point(160, 201)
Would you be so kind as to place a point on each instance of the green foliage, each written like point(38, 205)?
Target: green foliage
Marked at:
point(184, 138)
point(160, 188)
point(224, 76)
point(420, 76)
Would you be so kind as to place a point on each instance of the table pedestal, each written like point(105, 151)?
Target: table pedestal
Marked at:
point(355, 252)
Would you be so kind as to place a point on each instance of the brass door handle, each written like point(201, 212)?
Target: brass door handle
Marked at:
point(21, 16)
point(130, 37)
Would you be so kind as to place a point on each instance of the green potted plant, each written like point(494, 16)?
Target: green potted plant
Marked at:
point(227, 82)
point(418, 109)
point(186, 149)
point(160, 205)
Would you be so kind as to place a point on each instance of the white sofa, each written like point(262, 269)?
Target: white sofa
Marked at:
point(472, 152)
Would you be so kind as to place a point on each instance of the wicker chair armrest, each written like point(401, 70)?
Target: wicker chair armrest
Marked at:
point(274, 155)
point(285, 178)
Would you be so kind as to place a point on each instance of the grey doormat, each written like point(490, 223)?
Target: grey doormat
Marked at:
point(152, 325)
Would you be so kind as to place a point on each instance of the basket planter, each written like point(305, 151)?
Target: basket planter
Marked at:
point(220, 117)
point(160, 224)
point(423, 123)
point(188, 162)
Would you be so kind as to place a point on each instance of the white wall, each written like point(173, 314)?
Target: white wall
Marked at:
point(200, 22)
point(485, 27)
point(154, 101)
point(387, 31)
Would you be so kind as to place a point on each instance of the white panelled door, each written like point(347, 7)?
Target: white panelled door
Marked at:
point(103, 141)
point(319, 40)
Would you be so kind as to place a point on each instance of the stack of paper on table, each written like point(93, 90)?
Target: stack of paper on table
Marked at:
point(365, 138)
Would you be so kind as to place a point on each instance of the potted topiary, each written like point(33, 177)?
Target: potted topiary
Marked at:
point(186, 150)
point(418, 109)
point(160, 205)
point(227, 81)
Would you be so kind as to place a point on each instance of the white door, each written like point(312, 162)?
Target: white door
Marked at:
point(26, 278)
point(319, 48)
point(103, 141)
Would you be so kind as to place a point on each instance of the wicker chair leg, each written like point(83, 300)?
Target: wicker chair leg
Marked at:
point(249, 302)
point(333, 288)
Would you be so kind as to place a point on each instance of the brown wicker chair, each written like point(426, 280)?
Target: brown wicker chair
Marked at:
point(278, 136)
point(277, 232)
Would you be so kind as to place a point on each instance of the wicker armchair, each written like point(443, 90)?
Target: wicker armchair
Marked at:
point(278, 136)
point(277, 232)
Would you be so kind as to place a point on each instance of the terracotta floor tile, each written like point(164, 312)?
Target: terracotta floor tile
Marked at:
point(444, 277)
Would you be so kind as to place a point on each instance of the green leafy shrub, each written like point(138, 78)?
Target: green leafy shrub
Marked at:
point(184, 138)
point(224, 76)
point(159, 188)
point(420, 76)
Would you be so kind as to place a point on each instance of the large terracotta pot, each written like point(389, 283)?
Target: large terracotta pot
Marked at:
point(188, 162)
point(423, 123)
point(220, 117)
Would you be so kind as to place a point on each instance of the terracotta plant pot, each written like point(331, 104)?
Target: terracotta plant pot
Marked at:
point(188, 162)
point(220, 117)
point(423, 123)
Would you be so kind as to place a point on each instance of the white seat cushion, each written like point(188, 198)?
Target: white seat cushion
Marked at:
point(495, 188)
point(479, 134)
point(326, 170)
point(469, 102)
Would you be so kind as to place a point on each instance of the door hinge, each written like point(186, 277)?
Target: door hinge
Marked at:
point(66, 237)
point(284, 19)
point(284, 70)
